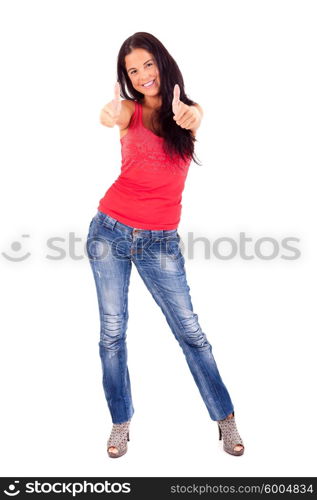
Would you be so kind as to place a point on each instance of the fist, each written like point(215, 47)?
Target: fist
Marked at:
point(185, 116)
point(111, 111)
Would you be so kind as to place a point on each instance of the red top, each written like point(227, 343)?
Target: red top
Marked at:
point(148, 192)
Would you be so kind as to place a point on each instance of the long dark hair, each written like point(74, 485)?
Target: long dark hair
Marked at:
point(177, 140)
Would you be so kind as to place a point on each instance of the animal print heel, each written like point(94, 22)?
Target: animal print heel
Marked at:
point(119, 437)
point(231, 437)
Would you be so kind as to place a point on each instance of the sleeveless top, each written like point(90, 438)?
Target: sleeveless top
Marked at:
point(148, 192)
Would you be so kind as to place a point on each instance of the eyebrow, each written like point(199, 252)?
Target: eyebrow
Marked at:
point(143, 64)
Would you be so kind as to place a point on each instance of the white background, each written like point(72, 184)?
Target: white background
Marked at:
point(252, 67)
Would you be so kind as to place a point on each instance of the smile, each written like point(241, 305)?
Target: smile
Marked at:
point(148, 84)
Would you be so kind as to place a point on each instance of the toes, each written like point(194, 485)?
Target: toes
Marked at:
point(112, 449)
point(238, 447)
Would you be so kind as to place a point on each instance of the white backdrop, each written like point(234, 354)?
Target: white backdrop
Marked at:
point(252, 67)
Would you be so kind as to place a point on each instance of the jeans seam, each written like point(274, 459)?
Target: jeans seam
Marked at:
point(125, 298)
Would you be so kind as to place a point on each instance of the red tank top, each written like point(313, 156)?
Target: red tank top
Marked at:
point(148, 192)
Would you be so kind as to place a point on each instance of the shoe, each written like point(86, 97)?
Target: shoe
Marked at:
point(118, 438)
point(231, 437)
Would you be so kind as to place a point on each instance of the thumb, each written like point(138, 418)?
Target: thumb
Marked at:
point(176, 100)
point(177, 92)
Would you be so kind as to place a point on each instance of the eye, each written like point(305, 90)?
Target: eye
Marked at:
point(133, 71)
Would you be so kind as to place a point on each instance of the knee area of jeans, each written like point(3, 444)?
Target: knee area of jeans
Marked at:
point(192, 333)
point(113, 331)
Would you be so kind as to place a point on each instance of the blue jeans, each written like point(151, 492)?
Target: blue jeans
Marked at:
point(111, 248)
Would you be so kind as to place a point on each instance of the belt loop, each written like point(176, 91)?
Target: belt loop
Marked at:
point(157, 233)
point(110, 222)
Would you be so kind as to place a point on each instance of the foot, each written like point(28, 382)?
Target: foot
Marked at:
point(239, 446)
point(117, 442)
point(232, 442)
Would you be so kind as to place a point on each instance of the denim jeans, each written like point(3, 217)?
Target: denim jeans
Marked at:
point(111, 248)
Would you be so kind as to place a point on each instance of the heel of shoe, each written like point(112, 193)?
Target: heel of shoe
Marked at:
point(220, 433)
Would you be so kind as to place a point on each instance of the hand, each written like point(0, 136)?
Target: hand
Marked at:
point(184, 115)
point(111, 112)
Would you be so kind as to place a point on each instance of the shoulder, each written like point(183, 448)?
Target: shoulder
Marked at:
point(128, 102)
point(128, 107)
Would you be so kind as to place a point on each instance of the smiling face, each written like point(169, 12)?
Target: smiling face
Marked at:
point(142, 69)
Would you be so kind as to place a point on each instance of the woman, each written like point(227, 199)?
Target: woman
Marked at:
point(137, 221)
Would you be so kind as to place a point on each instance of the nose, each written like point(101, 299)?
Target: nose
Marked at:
point(144, 78)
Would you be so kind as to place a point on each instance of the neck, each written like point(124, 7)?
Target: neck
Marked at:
point(152, 102)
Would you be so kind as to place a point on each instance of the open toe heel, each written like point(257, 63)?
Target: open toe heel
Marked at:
point(231, 437)
point(119, 437)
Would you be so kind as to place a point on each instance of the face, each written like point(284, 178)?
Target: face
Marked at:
point(141, 68)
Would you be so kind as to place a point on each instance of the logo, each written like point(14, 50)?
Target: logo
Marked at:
point(12, 491)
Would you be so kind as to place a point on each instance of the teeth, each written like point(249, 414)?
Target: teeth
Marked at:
point(148, 84)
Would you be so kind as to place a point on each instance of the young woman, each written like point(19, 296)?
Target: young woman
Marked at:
point(137, 221)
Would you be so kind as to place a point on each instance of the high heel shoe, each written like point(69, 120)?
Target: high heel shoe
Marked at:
point(231, 437)
point(119, 437)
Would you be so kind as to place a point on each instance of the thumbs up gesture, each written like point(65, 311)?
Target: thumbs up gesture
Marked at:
point(185, 116)
point(111, 111)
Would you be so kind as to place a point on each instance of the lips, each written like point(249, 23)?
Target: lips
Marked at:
point(149, 84)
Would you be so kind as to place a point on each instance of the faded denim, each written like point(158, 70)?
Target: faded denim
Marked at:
point(111, 248)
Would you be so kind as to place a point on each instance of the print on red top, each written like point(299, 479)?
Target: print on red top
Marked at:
point(148, 192)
